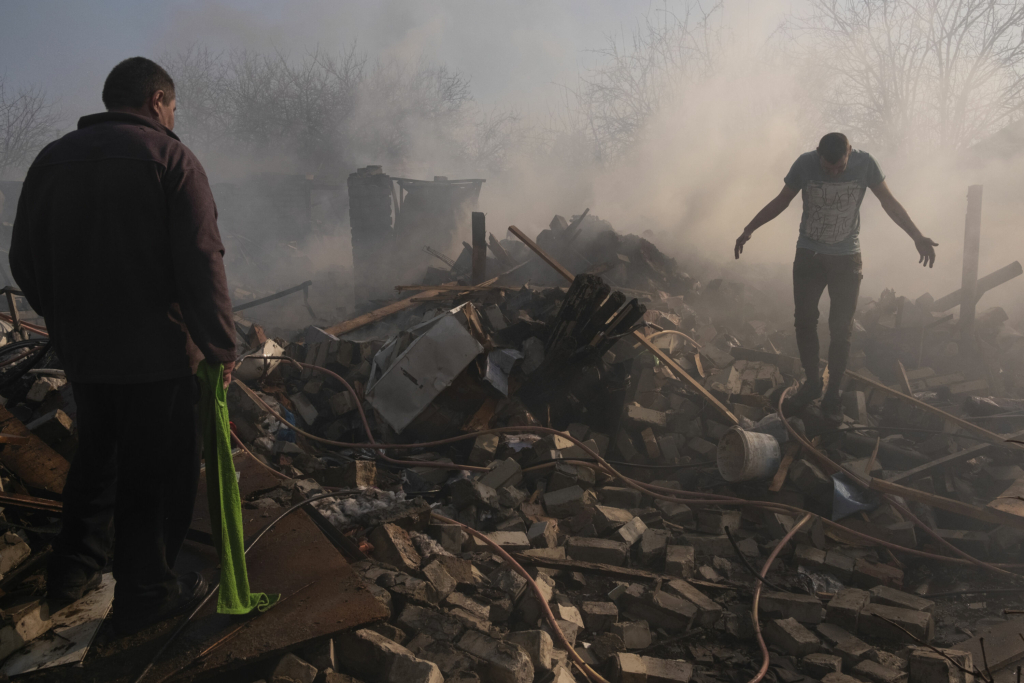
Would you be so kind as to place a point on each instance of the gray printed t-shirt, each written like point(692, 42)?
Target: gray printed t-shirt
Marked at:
point(831, 220)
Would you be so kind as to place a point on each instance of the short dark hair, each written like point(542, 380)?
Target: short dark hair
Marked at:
point(132, 82)
point(833, 147)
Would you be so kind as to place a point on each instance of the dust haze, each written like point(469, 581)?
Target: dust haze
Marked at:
point(677, 117)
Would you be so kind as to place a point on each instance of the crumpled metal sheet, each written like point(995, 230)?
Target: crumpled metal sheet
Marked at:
point(427, 366)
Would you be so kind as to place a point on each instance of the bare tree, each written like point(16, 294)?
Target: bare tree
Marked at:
point(636, 76)
point(915, 75)
point(28, 120)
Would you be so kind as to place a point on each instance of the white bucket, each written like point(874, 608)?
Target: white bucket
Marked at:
point(743, 456)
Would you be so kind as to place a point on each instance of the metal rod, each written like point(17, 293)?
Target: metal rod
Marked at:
point(272, 297)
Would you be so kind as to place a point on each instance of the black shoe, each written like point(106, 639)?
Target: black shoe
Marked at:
point(192, 588)
point(66, 590)
point(804, 396)
point(832, 407)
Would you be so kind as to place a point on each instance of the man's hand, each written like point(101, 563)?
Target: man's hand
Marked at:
point(228, 367)
point(926, 248)
point(741, 240)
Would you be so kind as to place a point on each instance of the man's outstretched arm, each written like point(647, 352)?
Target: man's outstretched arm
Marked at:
point(899, 216)
point(770, 211)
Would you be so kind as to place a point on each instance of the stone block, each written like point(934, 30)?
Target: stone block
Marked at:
point(510, 541)
point(791, 637)
point(504, 662)
point(677, 513)
point(679, 560)
point(809, 556)
point(708, 611)
point(467, 492)
point(292, 669)
point(712, 521)
point(391, 544)
point(884, 595)
point(819, 664)
point(839, 565)
point(804, 608)
point(712, 546)
point(652, 545)
point(870, 574)
point(927, 666)
point(618, 497)
point(608, 518)
point(636, 635)
point(874, 620)
point(371, 656)
point(839, 678)
point(598, 550)
point(566, 611)
point(599, 617)
point(630, 532)
point(844, 609)
point(874, 672)
point(438, 625)
point(564, 502)
point(505, 473)
point(844, 644)
point(537, 644)
point(442, 581)
point(628, 668)
point(484, 449)
point(667, 670)
point(645, 416)
point(53, 427)
point(543, 534)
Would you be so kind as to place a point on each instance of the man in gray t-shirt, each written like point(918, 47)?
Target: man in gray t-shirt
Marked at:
point(833, 179)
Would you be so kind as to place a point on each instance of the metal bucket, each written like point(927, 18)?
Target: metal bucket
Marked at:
point(743, 455)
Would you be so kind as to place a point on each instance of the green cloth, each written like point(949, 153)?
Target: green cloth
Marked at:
point(233, 596)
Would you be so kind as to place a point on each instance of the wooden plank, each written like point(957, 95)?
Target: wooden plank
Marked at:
point(904, 382)
point(391, 309)
point(990, 281)
point(787, 460)
point(37, 465)
point(969, 286)
point(479, 248)
point(950, 459)
point(682, 374)
point(564, 272)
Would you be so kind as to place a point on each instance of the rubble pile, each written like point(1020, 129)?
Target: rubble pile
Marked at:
point(620, 439)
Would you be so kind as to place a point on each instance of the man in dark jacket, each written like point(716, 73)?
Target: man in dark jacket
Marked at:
point(116, 244)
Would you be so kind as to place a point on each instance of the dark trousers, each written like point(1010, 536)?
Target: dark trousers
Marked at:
point(131, 488)
point(812, 272)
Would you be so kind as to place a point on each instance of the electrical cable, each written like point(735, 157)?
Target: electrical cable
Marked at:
point(765, 657)
point(860, 481)
point(21, 372)
point(660, 493)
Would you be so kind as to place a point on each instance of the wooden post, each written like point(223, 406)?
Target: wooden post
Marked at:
point(969, 286)
point(479, 248)
point(12, 307)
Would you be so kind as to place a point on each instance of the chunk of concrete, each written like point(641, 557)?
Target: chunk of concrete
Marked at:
point(927, 666)
point(819, 664)
point(679, 560)
point(630, 532)
point(667, 670)
point(599, 616)
point(504, 662)
point(848, 646)
point(884, 595)
point(292, 669)
point(636, 635)
point(543, 534)
point(564, 502)
point(845, 607)
point(628, 668)
point(868, 574)
point(791, 637)
point(875, 620)
point(874, 672)
point(652, 545)
point(804, 608)
point(437, 625)
point(538, 646)
point(600, 550)
point(371, 656)
point(506, 473)
point(391, 544)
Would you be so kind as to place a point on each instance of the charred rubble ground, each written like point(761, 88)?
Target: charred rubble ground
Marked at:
point(603, 480)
